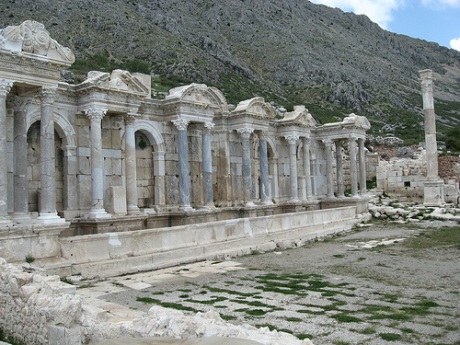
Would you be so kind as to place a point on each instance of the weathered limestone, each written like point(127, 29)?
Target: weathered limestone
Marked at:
point(339, 160)
point(130, 151)
point(434, 187)
point(5, 87)
point(329, 177)
point(293, 140)
point(353, 167)
point(307, 168)
point(362, 167)
point(97, 165)
point(247, 180)
point(184, 167)
point(264, 183)
point(207, 164)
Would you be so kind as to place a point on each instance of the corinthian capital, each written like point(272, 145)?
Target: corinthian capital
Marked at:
point(327, 142)
point(292, 139)
point(245, 132)
point(96, 113)
point(5, 87)
point(19, 103)
point(47, 95)
point(181, 124)
point(208, 126)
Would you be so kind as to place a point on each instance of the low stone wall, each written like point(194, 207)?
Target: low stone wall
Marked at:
point(132, 251)
point(38, 310)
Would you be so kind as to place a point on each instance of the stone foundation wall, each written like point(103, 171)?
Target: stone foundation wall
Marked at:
point(38, 310)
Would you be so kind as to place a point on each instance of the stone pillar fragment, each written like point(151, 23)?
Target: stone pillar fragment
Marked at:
point(339, 162)
point(434, 186)
point(5, 87)
point(47, 212)
point(184, 165)
point(353, 167)
point(292, 140)
point(20, 192)
point(130, 167)
point(70, 181)
point(362, 167)
point(247, 174)
point(207, 164)
point(97, 165)
point(329, 175)
point(264, 183)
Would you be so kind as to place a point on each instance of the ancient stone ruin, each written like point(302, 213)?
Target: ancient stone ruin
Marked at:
point(100, 179)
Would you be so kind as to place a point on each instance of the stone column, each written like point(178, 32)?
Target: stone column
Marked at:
point(362, 167)
point(353, 167)
point(292, 140)
point(159, 173)
point(70, 181)
point(207, 164)
point(247, 174)
point(20, 190)
point(184, 167)
point(130, 167)
point(339, 162)
point(433, 187)
point(47, 212)
point(307, 167)
point(263, 155)
point(329, 176)
point(5, 87)
point(97, 165)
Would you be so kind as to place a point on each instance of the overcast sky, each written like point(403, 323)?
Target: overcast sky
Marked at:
point(431, 20)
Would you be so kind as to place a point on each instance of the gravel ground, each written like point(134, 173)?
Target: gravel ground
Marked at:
point(379, 284)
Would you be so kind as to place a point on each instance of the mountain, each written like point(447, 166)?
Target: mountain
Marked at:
point(288, 51)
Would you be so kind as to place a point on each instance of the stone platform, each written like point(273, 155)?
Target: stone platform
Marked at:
point(172, 341)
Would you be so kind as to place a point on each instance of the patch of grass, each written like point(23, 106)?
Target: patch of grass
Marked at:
point(445, 236)
point(361, 258)
point(338, 256)
point(390, 336)
point(256, 312)
point(230, 292)
point(346, 318)
point(303, 336)
point(228, 317)
point(407, 330)
point(208, 301)
point(293, 319)
point(165, 304)
point(30, 259)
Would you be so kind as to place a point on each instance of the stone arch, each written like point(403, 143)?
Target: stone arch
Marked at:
point(62, 126)
point(66, 139)
point(153, 134)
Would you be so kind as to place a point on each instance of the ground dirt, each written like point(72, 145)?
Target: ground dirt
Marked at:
point(384, 283)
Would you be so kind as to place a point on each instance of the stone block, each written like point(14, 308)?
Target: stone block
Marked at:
point(59, 335)
point(117, 203)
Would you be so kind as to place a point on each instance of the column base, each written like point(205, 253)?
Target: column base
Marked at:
point(20, 217)
point(433, 193)
point(294, 202)
point(186, 208)
point(133, 210)
point(267, 202)
point(250, 204)
point(5, 221)
point(50, 218)
point(98, 213)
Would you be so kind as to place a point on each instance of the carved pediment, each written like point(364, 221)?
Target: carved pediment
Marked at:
point(199, 94)
point(119, 80)
point(299, 117)
point(255, 107)
point(31, 37)
point(357, 121)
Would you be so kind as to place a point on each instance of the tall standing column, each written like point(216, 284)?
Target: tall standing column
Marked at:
point(263, 155)
point(130, 167)
point(184, 166)
point(339, 162)
point(207, 164)
point(97, 164)
point(20, 161)
point(362, 167)
point(47, 212)
point(292, 140)
point(329, 176)
point(353, 167)
point(5, 87)
point(307, 167)
point(434, 186)
point(247, 174)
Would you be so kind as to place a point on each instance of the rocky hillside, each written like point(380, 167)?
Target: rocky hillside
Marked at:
point(288, 51)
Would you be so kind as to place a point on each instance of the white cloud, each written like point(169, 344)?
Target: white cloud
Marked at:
point(379, 11)
point(455, 43)
point(441, 3)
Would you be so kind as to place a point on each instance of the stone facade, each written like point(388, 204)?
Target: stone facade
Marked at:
point(103, 156)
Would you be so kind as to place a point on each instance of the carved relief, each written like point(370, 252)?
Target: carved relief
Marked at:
point(32, 37)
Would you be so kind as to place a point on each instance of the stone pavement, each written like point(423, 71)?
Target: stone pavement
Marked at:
point(171, 341)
